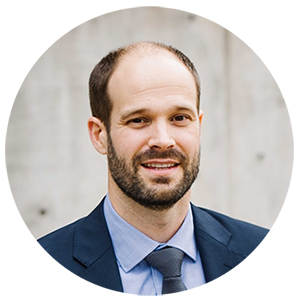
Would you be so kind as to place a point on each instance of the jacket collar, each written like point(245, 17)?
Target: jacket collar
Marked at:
point(93, 248)
point(212, 240)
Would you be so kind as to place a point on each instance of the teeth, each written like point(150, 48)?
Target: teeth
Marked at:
point(159, 165)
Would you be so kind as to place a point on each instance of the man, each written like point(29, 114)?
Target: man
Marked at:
point(146, 237)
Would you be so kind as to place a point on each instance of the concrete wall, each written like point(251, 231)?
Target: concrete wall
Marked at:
point(55, 174)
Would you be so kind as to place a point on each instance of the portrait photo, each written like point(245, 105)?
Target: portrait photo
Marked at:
point(133, 130)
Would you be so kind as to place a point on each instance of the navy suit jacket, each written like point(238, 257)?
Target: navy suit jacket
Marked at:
point(85, 248)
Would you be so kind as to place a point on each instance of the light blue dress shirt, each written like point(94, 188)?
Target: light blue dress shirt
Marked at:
point(131, 247)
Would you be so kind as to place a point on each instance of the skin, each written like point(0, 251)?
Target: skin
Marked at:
point(154, 106)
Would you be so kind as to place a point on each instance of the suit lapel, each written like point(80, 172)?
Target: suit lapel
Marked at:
point(212, 240)
point(93, 248)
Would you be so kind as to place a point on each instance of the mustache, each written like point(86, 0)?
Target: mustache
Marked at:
point(159, 154)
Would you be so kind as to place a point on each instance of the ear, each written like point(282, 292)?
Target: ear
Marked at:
point(98, 134)
point(200, 116)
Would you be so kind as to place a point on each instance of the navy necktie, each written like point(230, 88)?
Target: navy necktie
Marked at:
point(168, 262)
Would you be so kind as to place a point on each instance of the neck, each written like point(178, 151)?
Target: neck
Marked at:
point(158, 225)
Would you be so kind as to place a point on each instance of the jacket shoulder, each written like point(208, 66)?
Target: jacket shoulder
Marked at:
point(244, 236)
point(59, 244)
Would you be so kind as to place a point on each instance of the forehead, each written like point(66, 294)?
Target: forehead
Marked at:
point(139, 77)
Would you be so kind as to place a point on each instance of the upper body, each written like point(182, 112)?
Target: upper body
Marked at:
point(145, 101)
point(85, 248)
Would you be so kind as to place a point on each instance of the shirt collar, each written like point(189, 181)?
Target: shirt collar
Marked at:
point(131, 246)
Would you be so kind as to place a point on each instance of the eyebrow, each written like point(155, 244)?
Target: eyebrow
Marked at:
point(177, 107)
point(129, 114)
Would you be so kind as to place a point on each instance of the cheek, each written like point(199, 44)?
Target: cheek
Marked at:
point(128, 144)
point(188, 141)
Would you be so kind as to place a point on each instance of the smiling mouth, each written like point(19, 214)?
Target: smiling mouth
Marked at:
point(160, 166)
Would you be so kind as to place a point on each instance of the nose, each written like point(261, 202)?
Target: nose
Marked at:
point(161, 137)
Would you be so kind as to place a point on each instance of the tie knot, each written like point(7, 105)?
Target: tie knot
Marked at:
point(167, 261)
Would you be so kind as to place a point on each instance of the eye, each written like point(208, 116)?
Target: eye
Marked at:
point(181, 119)
point(138, 122)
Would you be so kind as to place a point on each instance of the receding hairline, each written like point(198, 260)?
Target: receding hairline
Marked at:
point(146, 48)
point(150, 48)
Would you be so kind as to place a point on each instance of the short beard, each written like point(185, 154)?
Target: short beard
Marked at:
point(133, 186)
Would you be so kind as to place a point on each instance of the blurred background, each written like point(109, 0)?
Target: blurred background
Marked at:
point(55, 174)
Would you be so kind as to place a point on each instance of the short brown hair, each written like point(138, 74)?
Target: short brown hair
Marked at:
point(101, 105)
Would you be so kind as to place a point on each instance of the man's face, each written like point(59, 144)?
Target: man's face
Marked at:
point(154, 141)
